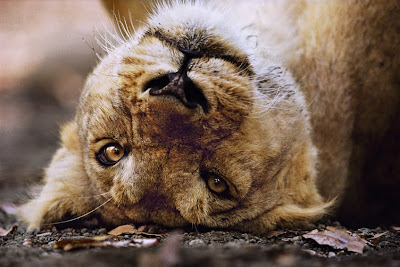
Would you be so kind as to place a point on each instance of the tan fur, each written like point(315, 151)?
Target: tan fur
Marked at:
point(284, 145)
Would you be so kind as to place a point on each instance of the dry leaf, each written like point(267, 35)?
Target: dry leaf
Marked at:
point(275, 233)
point(101, 241)
point(68, 244)
point(337, 239)
point(129, 229)
point(4, 232)
point(123, 229)
point(379, 235)
point(143, 228)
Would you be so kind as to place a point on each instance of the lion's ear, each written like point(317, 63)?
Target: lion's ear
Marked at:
point(66, 185)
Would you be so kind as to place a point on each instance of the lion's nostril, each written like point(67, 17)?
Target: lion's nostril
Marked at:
point(157, 83)
point(180, 86)
point(194, 94)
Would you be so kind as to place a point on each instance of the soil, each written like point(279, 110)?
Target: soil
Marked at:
point(37, 96)
point(192, 247)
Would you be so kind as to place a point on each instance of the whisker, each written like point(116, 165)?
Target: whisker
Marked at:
point(79, 217)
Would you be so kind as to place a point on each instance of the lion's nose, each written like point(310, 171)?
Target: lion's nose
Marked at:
point(179, 85)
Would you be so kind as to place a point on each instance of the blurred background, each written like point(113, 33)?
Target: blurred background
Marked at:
point(47, 48)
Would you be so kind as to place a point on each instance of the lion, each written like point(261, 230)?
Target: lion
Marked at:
point(230, 115)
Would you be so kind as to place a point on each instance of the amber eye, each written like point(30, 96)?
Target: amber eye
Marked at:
point(110, 154)
point(216, 184)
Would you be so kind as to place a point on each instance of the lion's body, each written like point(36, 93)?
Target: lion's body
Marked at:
point(277, 99)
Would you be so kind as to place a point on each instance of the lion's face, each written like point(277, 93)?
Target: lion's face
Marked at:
point(178, 160)
point(174, 134)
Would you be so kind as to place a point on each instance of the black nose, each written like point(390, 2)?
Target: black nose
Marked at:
point(179, 85)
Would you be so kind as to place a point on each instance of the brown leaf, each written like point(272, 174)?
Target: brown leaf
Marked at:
point(337, 239)
point(4, 232)
point(129, 229)
point(123, 229)
point(379, 235)
point(143, 228)
point(68, 244)
point(101, 241)
point(275, 233)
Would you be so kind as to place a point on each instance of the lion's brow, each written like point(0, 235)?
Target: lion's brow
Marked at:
point(241, 63)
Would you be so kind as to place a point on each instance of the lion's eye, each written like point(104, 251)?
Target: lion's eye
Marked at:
point(110, 154)
point(216, 184)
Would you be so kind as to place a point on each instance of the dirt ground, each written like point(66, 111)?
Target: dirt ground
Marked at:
point(46, 52)
point(190, 247)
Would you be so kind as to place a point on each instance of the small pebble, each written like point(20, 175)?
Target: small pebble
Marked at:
point(84, 230)
point(232, 245)
point(331, 254)
point(367, 248)
point(27, 242)
point(44, 234)
point(309, 251)
point(340, 253)
point(197, 243)
point(229, 238)
point(33, 232)
point(296, 238)
point(383, 244)
point(44, 254)
point(66, 230)
point(153, 230)
point(102, 231)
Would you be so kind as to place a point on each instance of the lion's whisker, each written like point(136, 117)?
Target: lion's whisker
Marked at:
point(84, 215)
